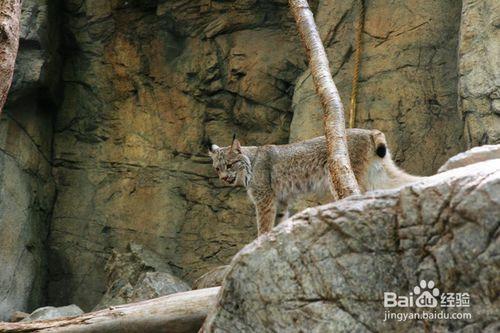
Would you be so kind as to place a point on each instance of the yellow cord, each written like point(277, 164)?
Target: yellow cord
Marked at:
point(357, 61)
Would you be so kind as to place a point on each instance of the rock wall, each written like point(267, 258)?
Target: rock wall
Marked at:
point(408, 78)
point(479, 70)
point(145, 83)
point(26, 185)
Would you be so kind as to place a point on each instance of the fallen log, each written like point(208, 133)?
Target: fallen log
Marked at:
point(177, 313)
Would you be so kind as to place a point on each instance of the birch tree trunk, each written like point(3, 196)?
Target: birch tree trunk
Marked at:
point(10, 13)
point(341, 175)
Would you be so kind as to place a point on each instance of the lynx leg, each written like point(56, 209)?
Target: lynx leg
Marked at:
point(266, 214)
point(333, 192)
point(282, 211)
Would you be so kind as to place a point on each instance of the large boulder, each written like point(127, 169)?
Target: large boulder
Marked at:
point(471, 156)
point(137, 275)
point(52, 312)
point(327, 269)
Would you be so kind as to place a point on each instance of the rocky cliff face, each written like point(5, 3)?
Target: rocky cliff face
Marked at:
point(408, 78)
point(479, 70)
point(26, 185)
point(144, 83)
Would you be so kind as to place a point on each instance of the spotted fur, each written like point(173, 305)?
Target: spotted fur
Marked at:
point(276, 174)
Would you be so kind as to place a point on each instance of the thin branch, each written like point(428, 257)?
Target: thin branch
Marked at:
point(341, 175)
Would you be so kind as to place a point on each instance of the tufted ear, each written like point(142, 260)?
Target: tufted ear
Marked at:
point(212, 148)
point(235, 145)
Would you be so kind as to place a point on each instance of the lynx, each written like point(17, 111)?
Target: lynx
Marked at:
point(276, 174)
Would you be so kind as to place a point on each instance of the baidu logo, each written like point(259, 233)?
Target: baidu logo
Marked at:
point(425, 295)
point(425, 298)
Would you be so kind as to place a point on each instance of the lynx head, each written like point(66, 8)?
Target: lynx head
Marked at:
point(232, 166)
